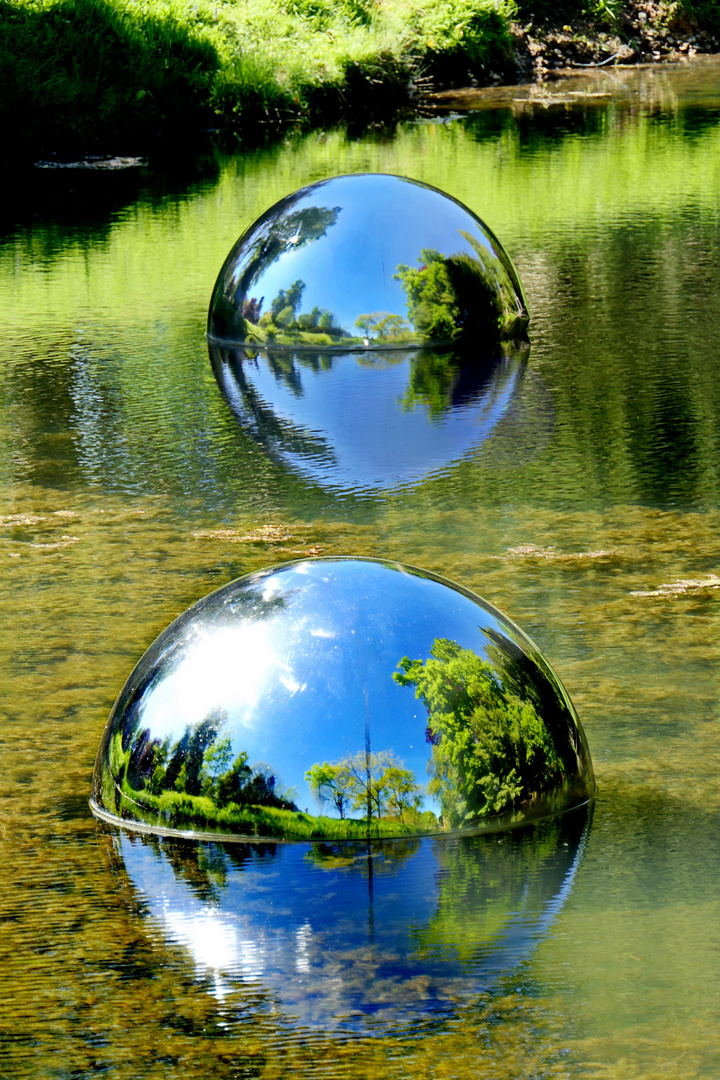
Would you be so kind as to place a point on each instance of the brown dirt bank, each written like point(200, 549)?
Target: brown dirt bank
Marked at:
point(647, 31)
point(671, 83)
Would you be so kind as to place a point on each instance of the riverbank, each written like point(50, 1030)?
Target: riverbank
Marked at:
point(642, 31)
point(129, 77)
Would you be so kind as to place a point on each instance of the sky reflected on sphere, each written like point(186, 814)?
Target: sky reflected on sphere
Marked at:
point(367, 261)
point(303, 702)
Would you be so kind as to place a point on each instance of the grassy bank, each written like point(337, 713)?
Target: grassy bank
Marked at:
point(129, 76)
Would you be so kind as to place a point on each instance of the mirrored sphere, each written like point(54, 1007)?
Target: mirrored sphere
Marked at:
point(370, 420)
point(354, 938)
point(362, 262)
point(340, 699)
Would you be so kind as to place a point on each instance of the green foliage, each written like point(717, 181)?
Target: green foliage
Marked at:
point(491, 750)
point(333, 783)
point(81, 70)
point(465, 295)
point(483, 885)
point(369, 782)
point(80, 73)
point(432, 377)
point(463, 29)
point(401, 791)
point(607, 11)
point(432, 303)
point(194, 783)
point(382, 326)
point(703, 13)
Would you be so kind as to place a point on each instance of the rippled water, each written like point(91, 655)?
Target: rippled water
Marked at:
point(590, 513)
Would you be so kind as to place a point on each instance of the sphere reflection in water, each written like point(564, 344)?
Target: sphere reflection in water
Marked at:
point(367, 261)
point(379, 937)
point(340, 699)
point(370, 420)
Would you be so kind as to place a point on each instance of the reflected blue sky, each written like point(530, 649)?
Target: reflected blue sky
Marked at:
point(350, 424)
point(297, 662)
point(367, 245)
point(356, 939)
point(349, 270)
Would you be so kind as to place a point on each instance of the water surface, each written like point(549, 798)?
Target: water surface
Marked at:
point(589, 512)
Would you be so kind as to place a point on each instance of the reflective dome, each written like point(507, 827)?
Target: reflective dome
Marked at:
point(414, 929)
point(340, 699)
point(369, 420)
point(362, 262)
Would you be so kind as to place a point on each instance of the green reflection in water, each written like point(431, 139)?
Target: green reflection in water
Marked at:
point(128, 492)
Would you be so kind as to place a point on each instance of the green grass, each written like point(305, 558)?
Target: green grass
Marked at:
point(134, 76)
point(179, 810)
point(129, 75)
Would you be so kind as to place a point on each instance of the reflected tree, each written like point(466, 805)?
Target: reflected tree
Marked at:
point(465, 296)
point(402, 793)
point(383, 856)
point(483, 885)
point(332, 783)
point(533, 680)
point(432, 305)
point(284, 307)
point(369, 782)
point(491, 750)
point(279, 234)
point(433, 376)
point(233, 307)
point(383, 326)
point(284, 325)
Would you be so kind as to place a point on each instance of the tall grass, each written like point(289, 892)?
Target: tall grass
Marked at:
point(128, 75)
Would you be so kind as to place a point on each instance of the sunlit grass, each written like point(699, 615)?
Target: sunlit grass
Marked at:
point(102, 74)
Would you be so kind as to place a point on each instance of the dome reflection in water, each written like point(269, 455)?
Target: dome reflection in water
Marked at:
point(372, 420)
point(340, 699)
point(384, 937)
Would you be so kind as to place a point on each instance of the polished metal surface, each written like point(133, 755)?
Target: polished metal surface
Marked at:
point(340, 699)
point(368, 261)
point(357, 937)
point(369, 420)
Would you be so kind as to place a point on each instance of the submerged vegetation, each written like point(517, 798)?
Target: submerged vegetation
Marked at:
point(82, 76)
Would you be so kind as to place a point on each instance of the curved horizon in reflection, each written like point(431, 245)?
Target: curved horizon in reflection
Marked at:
point(369, 420)
point(333, 699)
point(342, 938)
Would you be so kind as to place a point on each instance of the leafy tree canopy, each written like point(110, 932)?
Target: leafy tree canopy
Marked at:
point(491, 750)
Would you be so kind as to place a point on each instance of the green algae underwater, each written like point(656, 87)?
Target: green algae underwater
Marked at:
point(590, 515)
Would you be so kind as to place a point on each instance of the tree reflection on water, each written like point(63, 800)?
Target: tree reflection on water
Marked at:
point(363, 936)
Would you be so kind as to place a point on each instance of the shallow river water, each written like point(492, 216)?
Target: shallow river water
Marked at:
point(588, 510)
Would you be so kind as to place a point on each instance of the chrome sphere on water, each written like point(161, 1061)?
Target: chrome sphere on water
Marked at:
point(363, 262)
point(340, 699)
